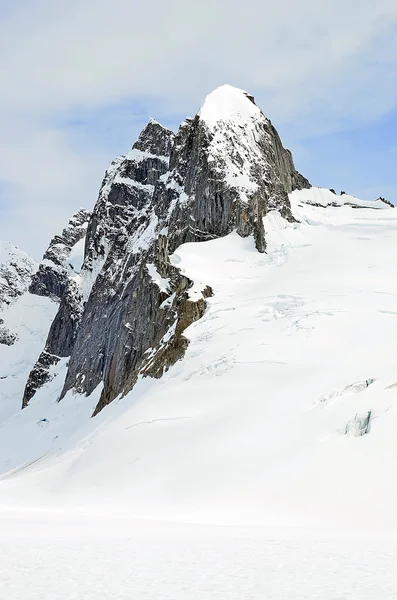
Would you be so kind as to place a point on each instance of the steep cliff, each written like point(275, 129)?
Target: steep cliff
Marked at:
point(54, 279)
point(124, 314)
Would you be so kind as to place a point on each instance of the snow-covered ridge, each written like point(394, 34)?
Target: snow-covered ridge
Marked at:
point(322, 198)
point(63, 258)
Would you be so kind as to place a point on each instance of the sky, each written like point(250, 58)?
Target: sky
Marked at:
point(79, 79)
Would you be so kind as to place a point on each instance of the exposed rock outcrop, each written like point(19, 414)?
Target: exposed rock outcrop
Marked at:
point(124, 315)
point(57, 277)
point(57, 264)
point(39, 375)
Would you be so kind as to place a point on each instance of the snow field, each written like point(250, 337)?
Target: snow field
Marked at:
point(64, 557)
point(231, 477)
point(250, 427)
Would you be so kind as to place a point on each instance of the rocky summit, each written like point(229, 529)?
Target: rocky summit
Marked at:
point(123, 311)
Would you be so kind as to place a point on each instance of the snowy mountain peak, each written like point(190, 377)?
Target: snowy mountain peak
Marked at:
point(228, 103)
point(246, 150)
point(154, 139)
point(10, 253)
point(266, 307)
point(16, 268)
point(200, 184)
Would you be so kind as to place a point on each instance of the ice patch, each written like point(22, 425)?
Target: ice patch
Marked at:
point(162, 282)
point(76, 257)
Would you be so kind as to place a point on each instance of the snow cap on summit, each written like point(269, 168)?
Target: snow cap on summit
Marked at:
point(153, 121)
point(228, 102)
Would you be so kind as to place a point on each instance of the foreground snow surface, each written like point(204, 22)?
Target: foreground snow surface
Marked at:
point(57, 556)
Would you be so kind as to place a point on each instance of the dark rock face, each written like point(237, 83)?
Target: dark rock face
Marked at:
point(124, 297)
point(52, 275)
point(126, 193)
point(289, 178)
point(39, 375)
point(124, 316)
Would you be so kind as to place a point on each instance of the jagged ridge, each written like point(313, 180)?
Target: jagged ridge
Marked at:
point(55, 268)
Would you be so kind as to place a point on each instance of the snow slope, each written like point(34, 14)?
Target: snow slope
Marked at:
point(250, 427)
point(28, 318)
point(24, 323)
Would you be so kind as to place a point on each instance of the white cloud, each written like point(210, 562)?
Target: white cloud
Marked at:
point(312, 65)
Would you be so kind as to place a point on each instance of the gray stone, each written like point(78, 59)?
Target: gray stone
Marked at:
point(52, 275)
